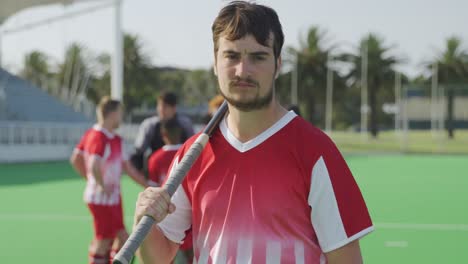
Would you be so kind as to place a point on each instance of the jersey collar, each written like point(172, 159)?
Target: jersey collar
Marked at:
point(171, 147)
point(103, 130)
point(246, 146)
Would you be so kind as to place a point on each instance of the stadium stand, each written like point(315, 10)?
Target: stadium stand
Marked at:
point(21, 101)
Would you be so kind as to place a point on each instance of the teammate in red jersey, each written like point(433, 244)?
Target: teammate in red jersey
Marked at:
point(160, 161)
point(100, 158)
point(158, 166)
point(269, 187)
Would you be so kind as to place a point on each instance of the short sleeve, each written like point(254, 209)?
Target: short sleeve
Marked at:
point(339, 213)
point(153, 171)
point(97, 145)
point(79, 148)
point(175, 224)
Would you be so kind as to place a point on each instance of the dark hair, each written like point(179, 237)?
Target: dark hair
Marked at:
point(240, 18)
point(106, 106)
point(168, 98)
point(172, 129)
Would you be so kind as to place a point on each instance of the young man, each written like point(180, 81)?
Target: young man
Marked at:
point(99, 157)
point(158, 166)
point(268, 187)
point(149, 137)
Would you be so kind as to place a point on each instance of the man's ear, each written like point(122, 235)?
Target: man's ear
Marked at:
point(279, 62)
point(215, 71)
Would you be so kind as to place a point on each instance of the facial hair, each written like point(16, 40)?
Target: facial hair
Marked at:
point(257, 103)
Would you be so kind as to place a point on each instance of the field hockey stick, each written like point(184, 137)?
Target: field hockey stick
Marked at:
point(128, 250)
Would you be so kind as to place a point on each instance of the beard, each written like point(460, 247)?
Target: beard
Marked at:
point(257, 103)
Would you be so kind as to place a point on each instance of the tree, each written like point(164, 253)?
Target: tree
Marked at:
point(311, 61)
point(141, 84)
point(140, 80)
point(452, 65)
point(73, 74)
point(200, 85)
point(101, 79)
point(36, 69)
point(380, 73)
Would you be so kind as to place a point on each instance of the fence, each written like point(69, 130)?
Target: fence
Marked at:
point(41, 141)
point(27, 133)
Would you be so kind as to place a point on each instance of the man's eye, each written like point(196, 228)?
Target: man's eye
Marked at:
point(232, 56)
point(259, 58)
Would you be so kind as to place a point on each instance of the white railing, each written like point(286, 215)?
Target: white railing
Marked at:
point(43, 141)
point(43, 133)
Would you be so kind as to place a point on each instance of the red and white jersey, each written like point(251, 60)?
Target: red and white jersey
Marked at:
point(286, 196)
point(99, 143)
point(159, 163)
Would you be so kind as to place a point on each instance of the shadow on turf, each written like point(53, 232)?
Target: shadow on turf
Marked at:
point(33, 173)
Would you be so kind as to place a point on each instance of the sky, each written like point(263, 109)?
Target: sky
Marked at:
point(178, 33)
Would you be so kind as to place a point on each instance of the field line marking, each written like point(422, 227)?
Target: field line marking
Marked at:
point(414, 226)
point(378, 225)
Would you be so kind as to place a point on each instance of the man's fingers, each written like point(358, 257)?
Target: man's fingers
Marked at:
point(171, 208)
point(154, 202)
point(160, 192)
point(166, 196)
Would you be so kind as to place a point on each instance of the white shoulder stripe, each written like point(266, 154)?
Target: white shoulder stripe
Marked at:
point(325, 216)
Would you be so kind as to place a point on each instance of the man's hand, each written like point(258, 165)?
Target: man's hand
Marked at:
point(107, 189)
point(77, 162)
point(154, 202)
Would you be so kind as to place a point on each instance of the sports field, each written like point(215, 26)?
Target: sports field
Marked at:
point(419, 205)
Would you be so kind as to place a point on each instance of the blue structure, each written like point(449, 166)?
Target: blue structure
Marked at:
point(22, 101)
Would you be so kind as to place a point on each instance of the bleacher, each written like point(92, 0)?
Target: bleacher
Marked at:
point(35, 126)
point(22, 101)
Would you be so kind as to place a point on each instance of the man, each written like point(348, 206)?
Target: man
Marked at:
point(99, 158)
point(268, 187)
point(158, 166)
point(149, 137)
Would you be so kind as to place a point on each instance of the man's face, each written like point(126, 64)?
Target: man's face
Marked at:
point(116, 117)
point(246, 72)
point(165, 111)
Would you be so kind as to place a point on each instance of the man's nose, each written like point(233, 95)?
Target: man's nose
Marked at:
point(244, 68)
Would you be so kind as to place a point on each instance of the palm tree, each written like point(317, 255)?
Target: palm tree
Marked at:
point(73, 71)
point(101, 79)
point(452, 65)
point(380, 73)
point(140, 80)
point(36, 69)
point(311, 59)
